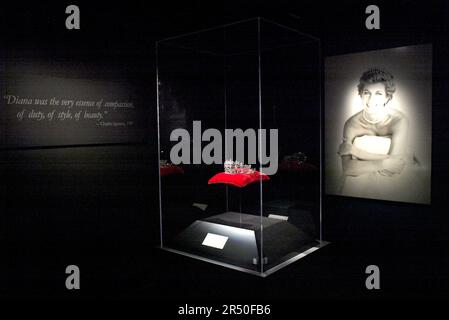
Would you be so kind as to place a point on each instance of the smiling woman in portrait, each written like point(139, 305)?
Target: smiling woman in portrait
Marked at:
point(378, 124)
point(375, 151)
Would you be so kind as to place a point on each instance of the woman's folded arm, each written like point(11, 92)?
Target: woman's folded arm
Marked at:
point(354, 167)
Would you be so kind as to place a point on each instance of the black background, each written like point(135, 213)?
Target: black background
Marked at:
point(97, 206)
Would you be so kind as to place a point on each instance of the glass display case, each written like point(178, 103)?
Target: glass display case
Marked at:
point(239, 145)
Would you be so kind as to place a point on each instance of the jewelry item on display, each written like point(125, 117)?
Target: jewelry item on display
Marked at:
point(237, 167)
point(299, 157)
point(164, 163)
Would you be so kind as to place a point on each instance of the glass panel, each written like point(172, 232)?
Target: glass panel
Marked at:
point(239, 135)
point(208, 82)
point(290, 82)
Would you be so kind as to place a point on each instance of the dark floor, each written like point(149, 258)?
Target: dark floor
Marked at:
point(112, 236)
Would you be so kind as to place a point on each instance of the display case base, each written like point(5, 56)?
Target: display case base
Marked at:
point(234, 239)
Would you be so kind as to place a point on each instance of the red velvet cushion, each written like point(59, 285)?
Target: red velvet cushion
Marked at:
point(170, 170)
point(238, 180)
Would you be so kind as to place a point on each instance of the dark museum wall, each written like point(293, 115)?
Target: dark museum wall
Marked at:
point(85, 203)
point(97, 206)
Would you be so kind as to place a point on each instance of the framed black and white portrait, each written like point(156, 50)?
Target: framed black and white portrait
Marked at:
point(378, 124)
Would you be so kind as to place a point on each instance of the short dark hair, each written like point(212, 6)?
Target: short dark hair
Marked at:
point(376, 75)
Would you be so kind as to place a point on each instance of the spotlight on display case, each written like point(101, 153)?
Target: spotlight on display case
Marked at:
point(239, 145)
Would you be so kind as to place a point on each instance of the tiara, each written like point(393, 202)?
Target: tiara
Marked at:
point(234, 167)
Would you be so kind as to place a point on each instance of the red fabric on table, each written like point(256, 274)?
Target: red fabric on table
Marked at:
point(170, 170)
point(238, 179)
